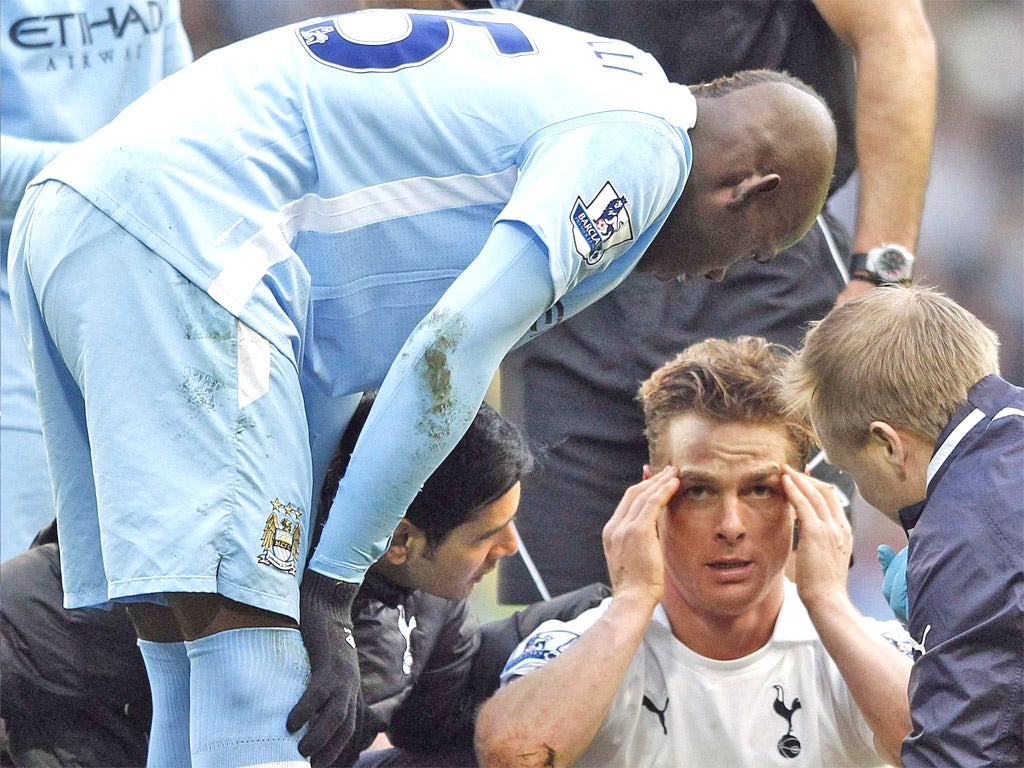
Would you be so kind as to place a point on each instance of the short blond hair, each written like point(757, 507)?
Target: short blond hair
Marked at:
point(905, 355)
point(726, 382)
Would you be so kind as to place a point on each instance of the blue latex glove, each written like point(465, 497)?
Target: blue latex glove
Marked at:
point(894, 580)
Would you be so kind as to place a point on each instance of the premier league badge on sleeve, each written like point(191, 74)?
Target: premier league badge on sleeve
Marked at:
point(600, 224)
point(316, 34)
point(536, 650)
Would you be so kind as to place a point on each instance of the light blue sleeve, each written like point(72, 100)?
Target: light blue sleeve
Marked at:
point(572, 171)
point(431, 393)
point(20, 161)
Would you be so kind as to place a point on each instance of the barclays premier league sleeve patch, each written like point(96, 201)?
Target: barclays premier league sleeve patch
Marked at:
point(600, 224)
point(535, 651)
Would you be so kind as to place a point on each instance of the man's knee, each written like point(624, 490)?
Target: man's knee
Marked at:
point(191, 615)
point(154, 622)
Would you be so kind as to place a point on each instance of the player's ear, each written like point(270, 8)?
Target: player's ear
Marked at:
point(648, 473)
point(751, 186)
point(894, 448)
point(398, 552)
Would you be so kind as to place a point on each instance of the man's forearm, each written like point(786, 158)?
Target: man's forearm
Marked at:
point(895, 128)
point(549, 716)
point(897, 75)
point(875, 671)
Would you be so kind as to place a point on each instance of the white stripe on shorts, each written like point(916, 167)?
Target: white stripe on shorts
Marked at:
point(253, 365)
point(244, 268)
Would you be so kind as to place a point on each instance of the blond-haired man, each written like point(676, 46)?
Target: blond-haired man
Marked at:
point(903, 388)
point(705, 654)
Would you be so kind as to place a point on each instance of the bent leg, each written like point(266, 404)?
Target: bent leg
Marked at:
point(224, 677)
point(222, 692)
point(163, 651)
point(195, 471)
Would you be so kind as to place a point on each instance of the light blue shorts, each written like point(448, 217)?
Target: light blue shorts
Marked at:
point(177, 436)
point(26, 503)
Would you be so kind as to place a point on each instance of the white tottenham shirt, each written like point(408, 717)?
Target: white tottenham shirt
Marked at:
point(786, 704)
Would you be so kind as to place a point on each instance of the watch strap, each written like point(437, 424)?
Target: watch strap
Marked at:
point(859, 269)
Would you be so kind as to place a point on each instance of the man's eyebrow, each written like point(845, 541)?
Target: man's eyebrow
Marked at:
point(497, 528)
point(695, 476)
point(769, 471)
point(772, 471)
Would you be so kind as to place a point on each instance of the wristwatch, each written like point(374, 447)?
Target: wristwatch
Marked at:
point(882, 265)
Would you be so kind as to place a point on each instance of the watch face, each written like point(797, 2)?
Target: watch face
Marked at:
point(891, 265)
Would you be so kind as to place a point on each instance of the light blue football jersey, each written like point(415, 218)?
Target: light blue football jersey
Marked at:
point(329, 181)
point(69, 67)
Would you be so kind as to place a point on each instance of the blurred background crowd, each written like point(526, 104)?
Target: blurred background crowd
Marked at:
point(972, 236)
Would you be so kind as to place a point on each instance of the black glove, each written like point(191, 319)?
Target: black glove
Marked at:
point(331, 702)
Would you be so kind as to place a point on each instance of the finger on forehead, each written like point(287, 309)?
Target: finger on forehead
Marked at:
point(655, 495)
point(809, 484)
point(826, 489)
point(805, 498)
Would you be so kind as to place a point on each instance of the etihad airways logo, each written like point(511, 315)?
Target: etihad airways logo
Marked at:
point(81, 29)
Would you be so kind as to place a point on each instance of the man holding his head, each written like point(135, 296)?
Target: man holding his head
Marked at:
point(705, 654)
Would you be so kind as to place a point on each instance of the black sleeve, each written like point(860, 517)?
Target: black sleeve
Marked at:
point(464, 670)
point(46, 535)
point(74, 684)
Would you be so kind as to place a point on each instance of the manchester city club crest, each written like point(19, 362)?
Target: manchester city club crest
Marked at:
point(282, 537)
point(600, 224)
